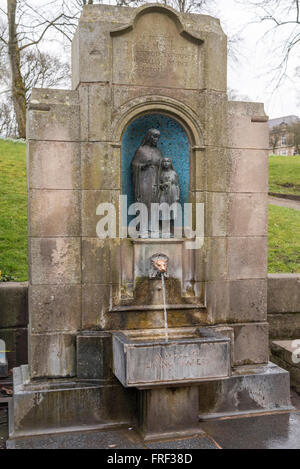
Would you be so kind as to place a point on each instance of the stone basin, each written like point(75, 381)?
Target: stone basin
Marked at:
point(145, 359)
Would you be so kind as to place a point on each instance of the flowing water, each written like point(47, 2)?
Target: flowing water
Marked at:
point(165, 306)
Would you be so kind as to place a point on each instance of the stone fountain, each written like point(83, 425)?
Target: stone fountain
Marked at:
point(160, 330)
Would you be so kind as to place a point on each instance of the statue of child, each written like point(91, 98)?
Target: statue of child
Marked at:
point(169, 191)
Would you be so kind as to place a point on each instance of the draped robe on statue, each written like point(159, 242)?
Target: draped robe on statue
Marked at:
point(145, 168)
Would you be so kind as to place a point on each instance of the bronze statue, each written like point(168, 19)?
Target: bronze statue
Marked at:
point(154, 180)
point(169, 186)
point(145, 169)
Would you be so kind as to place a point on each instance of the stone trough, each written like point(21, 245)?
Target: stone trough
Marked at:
point(145, 359)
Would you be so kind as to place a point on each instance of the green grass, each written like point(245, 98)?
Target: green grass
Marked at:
point(13, 210)
point(284, 240)
point(284, 175)
point(284, 223)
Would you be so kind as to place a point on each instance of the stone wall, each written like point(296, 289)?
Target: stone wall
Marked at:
point(284, 306)
point(14, 321)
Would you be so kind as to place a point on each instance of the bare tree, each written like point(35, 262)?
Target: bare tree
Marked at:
point(284, 32)
point(38, 70)
point(275, 136)
point(25, 24)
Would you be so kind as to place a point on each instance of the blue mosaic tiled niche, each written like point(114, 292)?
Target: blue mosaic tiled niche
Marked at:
point(173, 144)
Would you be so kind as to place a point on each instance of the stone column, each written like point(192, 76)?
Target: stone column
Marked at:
point(238, 294)
point(54, 232)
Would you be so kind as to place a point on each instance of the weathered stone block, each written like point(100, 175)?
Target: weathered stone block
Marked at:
point(216, 62)
point(216, 258)
point(91, 52)
point(169, 411)
point(96, 302)
point(287, 350)
point(13, 304)
point(55, 261)
point(284, 326)
point(218, 169)
point(66, 406)
point(247, 126)
point(286, 353)
point(248, 215)
point(217, 205)
point(247, 258)
point(251, 343)
point(215, 118)
point(94, 355)
point(198, 169)
point(52, 355)
point(84, 111)
point(249, 171)
point(247, 300)
point(237, 301)
point(53, 115)
point(54, 213)
point(250, 389)
point(127, 267)
point(53, 165)
point(100, 166)
point(99, 112)
point(91, 199)
point(98, 257)
point(55, 308)
point(284, 293)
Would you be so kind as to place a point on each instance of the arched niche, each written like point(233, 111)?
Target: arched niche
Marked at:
point(174, 143)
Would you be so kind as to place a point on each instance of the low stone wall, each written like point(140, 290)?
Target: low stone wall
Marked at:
point(284, 322)
point(14, 321)
point(284, 306)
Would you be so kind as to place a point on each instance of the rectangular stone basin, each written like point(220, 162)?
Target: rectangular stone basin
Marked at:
point(144, 358)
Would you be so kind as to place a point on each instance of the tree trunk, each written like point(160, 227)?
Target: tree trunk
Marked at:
point(17, 83)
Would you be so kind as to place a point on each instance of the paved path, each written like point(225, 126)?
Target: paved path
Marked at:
point(284, 202)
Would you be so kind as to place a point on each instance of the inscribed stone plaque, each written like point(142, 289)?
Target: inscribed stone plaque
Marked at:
point(154, 53)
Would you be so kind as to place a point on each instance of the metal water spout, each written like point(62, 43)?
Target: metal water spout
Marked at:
point(159, 268)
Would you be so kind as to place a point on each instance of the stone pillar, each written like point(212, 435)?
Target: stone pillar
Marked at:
point(237, 285)
point(54, 232)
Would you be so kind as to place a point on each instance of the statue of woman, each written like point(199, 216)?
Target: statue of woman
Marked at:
point(145, 170)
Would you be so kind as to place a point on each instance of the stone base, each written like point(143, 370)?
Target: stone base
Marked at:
point(70, 406)
point(169, 412)
point(250, 390)
point(62, 406)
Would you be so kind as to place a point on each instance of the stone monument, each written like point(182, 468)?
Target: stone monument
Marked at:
point(93, 301)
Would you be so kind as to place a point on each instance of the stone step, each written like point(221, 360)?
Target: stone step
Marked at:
point(286, 354)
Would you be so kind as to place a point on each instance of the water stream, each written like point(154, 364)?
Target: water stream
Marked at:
point(165, 306)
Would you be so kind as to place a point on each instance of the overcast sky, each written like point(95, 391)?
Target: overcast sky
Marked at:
point(251, 76)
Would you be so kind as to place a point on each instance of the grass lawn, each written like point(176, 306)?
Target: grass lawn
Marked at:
point(284, 240)
point(13, 210)
point(284, 175)
point(284, 223)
